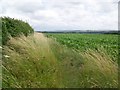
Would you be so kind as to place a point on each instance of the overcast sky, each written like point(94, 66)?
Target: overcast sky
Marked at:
point(64, 14)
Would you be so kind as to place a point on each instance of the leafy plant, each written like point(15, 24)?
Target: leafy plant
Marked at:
point(83, 42)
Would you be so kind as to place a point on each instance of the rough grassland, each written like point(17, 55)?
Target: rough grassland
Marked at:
point(39, 62)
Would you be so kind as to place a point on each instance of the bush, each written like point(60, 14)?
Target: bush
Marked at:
point(14, 28)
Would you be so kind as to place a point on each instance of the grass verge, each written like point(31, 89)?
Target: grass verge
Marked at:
point(39, 62)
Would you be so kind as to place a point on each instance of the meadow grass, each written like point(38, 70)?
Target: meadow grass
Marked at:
point(89, 69)
point(30, 63)
point(40, 62)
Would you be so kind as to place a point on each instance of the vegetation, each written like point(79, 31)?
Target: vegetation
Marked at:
point(63, 61)
point(39, 62)
point(12, 27)
point(83, 42)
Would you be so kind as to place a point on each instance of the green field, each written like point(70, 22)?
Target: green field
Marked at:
point(83, 42)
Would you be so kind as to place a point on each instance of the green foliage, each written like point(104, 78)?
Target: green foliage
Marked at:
point(13, 27)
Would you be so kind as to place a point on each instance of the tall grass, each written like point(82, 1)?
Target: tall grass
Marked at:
point(31, 63)
point(89, 69)
point(99, 70)
point(39, 62)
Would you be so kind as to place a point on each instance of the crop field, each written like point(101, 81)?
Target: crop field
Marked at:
point(83, 42)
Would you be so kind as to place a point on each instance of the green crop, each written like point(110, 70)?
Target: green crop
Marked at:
point(83, 42)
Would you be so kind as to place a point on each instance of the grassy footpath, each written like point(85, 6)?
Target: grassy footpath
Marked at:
point(37, 61)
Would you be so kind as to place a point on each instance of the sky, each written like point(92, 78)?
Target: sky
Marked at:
point(46, 15)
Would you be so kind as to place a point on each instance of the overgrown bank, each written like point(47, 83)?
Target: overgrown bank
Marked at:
point(36, 61)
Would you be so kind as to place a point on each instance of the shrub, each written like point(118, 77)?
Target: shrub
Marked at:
point(14, 28)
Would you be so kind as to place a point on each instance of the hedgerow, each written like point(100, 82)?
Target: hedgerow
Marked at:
point(14, 28)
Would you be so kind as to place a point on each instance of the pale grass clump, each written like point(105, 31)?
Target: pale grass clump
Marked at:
point(31, 63)
point(100, 69)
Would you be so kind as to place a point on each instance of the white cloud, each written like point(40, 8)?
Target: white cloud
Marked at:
point(64, 14)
